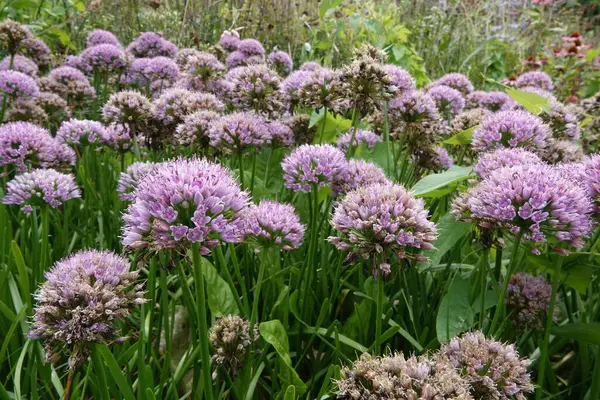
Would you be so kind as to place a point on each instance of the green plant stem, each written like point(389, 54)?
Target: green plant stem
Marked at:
point(45, 220)
point(264, 260)
point(498, 264)
point(322, 133)
point(379, 311)
point(386, 135)
point(253, 173)
point(484, 266)
point(241, 166)
point(102, 384)
point(4, 103)
point(595, 387)
point(549, 318)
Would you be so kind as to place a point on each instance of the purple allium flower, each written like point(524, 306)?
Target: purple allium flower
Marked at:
point(415, 113)
point(80, 132)
point(251, 47)
point(239, 130)
point(65, 156)
point(17, 85)
point(26, 110)
point(281, 62)
point(503, 157)
point(194, 128)
point(232, 338)
point(468, 119)
point(13, 35)
point(534, 198)
point(493, 369)
point(38, 51)
point(456, 81)
point(136, 73)
point(535, 78)
point(256, 88)
point(26, 145)
point(204, 65)
point(184, 201)
point(174, 104)
point(400, 78)
point(129, 180)
point(292, 84)
point(357, 137)
point(78, 63)
point(100, 36)
point(280, 133)
point(20, 64)
point(40, 187)
point(528, 301)
point(493, 101)
point(161, 68)
point(310, 66)
point(314, 165)
point(105, 57)
point(151, 44)
point(449, 102)
point(592, 178)
point(83, 297)
point(318, 89)
point(382, 219)
point(70, 82)
point(442, 159)
point(362, 173)
point(183, 55)
point(128, 106)
point(562, 151)
point(273, 224)
point(236, 59)
point(511, 129)
point(118, 136)
point(230, 40)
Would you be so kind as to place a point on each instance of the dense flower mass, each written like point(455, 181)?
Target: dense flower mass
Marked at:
point(281, 62)
point(362, 173)
point(13, 35)
point(400, 78)
point(358, 137)
point(105, 57)
point(492, 101)
point(503, 157)
point(273, 224)
point(232, 338)
point(174, 104)
point(251, 47)
point(80, 132)
point(17, 85)
point(535, 78)
point(129, 180)
point(194, 128)
point(84, 296)
point(256, 88)
point(239, 130)
point(592, 178)
point(230, 40)
point(100, 36)
point(449, 101)
point(40, 187)
point(69, 82)
point(118, 136)
point(456, 81)
point(528, 300)
point(127, 106)
point(151, 44)
point(318, 89)
point(20, 64)
point(182, 202)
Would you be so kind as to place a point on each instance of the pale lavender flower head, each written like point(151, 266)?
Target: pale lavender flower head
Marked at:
point(20, 64)
point(128, 106)
point(105, 57)
point(251, 47)
point(400, 78)
point(26, 110)
point(362, 173)
point(456, 81)
point(535, 78)
point(117, 136)
point(442, 159)
point(271, 224)
point(511, 129)
point(65, 156)
point(24, 145)
point(40, 187)
point(256, 88)
point(493, 369)
point(310, 66)
point(204, 65)
point(194, 128)
point(357, 137)
point(18, 86)
point(281, 62)
point(38, 51)
point(161, 68)
point(174, 104)
point(70, 82)
point(230, 40)
point(151, 44)
point(562, 151)
point(292, 84)
point(492, 101)
point(592, 178)
point(314, 165)
point(232, 338)
point(182, 202)
point(80, 132)
point(239, 130)
point(449, 102)
point(503, 157)
point(528, 301)
point(78, 63)
point(413, 107)
point(100, 36)
point(83, 297)
point(280, 133)
point(380, 220)
point(130, 179)
point(236, 59)
point(137, 73)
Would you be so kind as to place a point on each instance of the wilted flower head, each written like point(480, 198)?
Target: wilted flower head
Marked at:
point(203, 65)
point(27, 110)
point(69, 82)
point(456, 81)
point(129, 180)
point(151, 44)
point(105, 57)
point(535, 78)
point(231, 337)
point(230, 40)
point(281, 62)
point(468, 119)
point(300, 126)
point(503, 157)
point(174, 104)
point(251, 47)
point(83, 297)
point(562, 151)
point(128, 106)
point(100, 36)
point(182, 202)
point(239, 130)
point(493, 369)
point(528, 301)
point(358, 137)
point(362, 173)
point(400, 78)
point(194, 128)
point(318, 89)
point(17, 85)
point(449, 102)
point(416, 112)
point(38, 51)
point(273, 224)
point(492, 101)
point(511, 129)
point(314, 165)
point(310, 66)
point(20, 64)
point(12, 35)
point(256, 88)
point(396, 377)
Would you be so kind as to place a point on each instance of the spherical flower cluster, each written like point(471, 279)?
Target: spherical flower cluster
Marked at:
point(503, 157)
point(38, 51)
point(13, 35)
point(118, 136)
point(128, 106)
point(310, 66)
point(314, 165)
point(204, 65)
point(161, 68)
point(230, 40)
point(17, 85)
point(239, 130)
point(382, 219)
point(562, 151)
point(281, 62)
point(358, 137)
point(151, 44)
point(468, 119)
point(130, 179)
point(592, 178)
point(280, 133)
point(80, 132)
point(400, 78)
point(174, 104)
point(105, 57)
point(511, 129)
point(442, 159)
point(251, 47)
point(236, 59)
point(194, 128)
point(534, 198)
point(528, 301)
point(40, 187)
point(396, 377)
point(449, 102)
point(493, 369)
point(492, 101)
point(26, 110)
point(362, 173)
point(256, 88)
point(100, 36)
point(136, 73)
point(20, 64)
point(232, 338)
point(300, 126)
point(456, 81)
point(535, 78)
point(69, 82)
point(182, 202)
point(292, 84)
point(318, 89)
point(273, 224)
point(84, 296)
point(561, 121)
point(415, 112)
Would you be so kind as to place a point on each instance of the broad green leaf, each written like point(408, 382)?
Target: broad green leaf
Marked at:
point(323, 194)
point(80, 6)
point(290, 393)
point(115, 371)
point(490, 300)
point(462, 137)
point(575, 272)
point(220, 297)
point(455, 314)
point(378, 155)
point(315, 117)
point(450, 232)
point(23, 4)
point(533, 102)
point(432, 185)
point(586, 121)
point(333, 126)
point(586, 333)
point(592, 53)
point(327, 5)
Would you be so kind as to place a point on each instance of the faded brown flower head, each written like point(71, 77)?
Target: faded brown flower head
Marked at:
point(231, 338)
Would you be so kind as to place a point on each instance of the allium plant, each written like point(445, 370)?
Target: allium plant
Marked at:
point(251, 47)
point(442, 160)
point(291, 86)
point(85, 295)
point(232, 338)
point(203, 65)
point(256, 88)
point(69, 83)
point(230, 40)
point(38, 51)
point(13, 36)
point(456, 81)
point(117, 136)
point(237, 59)
point(175, 104)
point(528, 301)
point(562, 151)
point(128, 106)
point(400, 78)
point(17, 85)
point(151, 44)
point(449, 102)
point(28, 111)
point(535, 78)
point(239, 131)
point(105, 58)
point(194, 128)
point(20, 64)
point(362, 173)
point(273, 224)
point(80, 132)
point(357, 137)
point(310, 66)
point(281, 134)
point(281, 62)
point(503, 157)
point(492, 101)
point(318, 89)
point(130, 179)
point(100, 36)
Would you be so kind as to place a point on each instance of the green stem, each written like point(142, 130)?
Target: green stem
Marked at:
point(44, 215)
point(4, 103)
point(498, 263)
point(253, 173)
point(484, 266)
point(379, 311)
point(241, 160)
point(264, 259)
point(323, 126)
point(595, 388)
point(100, 373)
point(386, 135)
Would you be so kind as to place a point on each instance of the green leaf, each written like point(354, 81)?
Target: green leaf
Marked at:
point(116, 372)
point(323, 193)
point(343, 339)
point(450, 232)
point(576, 273)
point(378, 155)
point(533, 102)
point(333, 126)
point(431, 185)
point(586, 333)
point(23, 277)
point(315, 117)
point(290, 393)
point(462, 137)
point(592, 53)
point(62, 35)
point(455, 314)
point(23, 4)
point(79, 6)
point(274, 333)
point(220, 297)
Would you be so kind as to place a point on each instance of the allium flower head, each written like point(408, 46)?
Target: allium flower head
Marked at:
point(415, 113)
point(400, 78)
point(492, 101)
point(281, 62)
point(251, 47)
point(69, 82)
point(511, 129)
point(17, 85)
point(493, 369)
point(83, 297)
point(280, 133)
point(232, 338)
point(105, 57)
point(151, 44)
point(203, 65)
point(535, 78)
point(230, 40)
point(528, 301)
point(314, 165)
point(174, 104)
point(194, 128)
point(128, 106)
point(239, 130)
point(503, 157)
point(318, 89)
point(382, 219)
point(20, 64)
point(362, 173)
point(24, 145)
point(456, 81)
point(137, 73)
point(273, 224)
point(562, 151)
point(256, 88)
point(292, 84)
point(13, 35)
point(161, 68)
point(100, 36)
point(357, 137)
point(40, 187)
point(592, 178)
point(26, 110)
point(310, 66)
point(38, 51)
point(442, 159)
point(300, 126)
point(80, 132)
point(185, 201)
point(449, 102)
point(237, 59)
point(468, 119)
point(129, 180)
point(118, 136)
